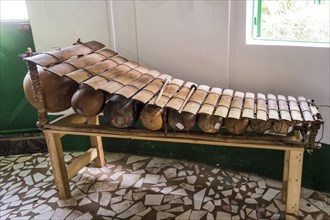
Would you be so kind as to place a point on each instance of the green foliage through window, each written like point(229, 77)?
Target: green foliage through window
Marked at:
point(291, 20)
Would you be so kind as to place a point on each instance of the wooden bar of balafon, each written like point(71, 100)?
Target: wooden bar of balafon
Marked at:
point(178, 120)
point(223, 106)
point(284, 125)
point(190, 110)
point(88, 100)
point(207, 121)
point(260, 123)
point(81, 101)
point(234, 123)
point(152, 115)
point(132, 82)
point(58, 90)
point(122, 89)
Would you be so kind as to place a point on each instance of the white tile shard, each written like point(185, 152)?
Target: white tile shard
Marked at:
point(61, 213)
point(223, 215)
point(307, 206)
point(84, 201)
point(136, 208)
point(196, 215)
point(153, 199)
point(129, 180)
point(105, 198)
point(105, 212)
point(209, 206)
point(122, 206)
point(198, 199)
point(151, 178)
point(270, 194)
point(170, 173)
point(184, 216)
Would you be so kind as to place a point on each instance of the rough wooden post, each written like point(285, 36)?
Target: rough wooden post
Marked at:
point(294, 182)
point(285, 175)
point(58, 164)
point(96, 142)
point(38, 96)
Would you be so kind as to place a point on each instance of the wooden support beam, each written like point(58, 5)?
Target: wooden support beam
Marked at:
point(96, 142)
point(80, 162)
point(58, 164)
point(294, 182)
point(285, 175)
point(276, 143)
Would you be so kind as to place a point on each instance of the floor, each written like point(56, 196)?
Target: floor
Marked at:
point(136, 187)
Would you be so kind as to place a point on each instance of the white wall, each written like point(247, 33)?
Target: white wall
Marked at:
point(60, 23)
point(175, 37)
point(189, 40)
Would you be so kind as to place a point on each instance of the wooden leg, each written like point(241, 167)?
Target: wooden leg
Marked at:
point(96, 142)
point(294, 182)
point(285, 175)
point(59, 168)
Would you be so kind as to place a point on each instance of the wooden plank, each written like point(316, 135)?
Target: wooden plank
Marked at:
point(224, 103)
point(285, 175)
point(58, 164)
point(169, 91)
point(236, 105)
point(120, 60)
point(96, 142)
point(196, 99)
point(79, 75)
point(210, 102)
point(101, 67)
point(80, 162)
point(136, 85)
point(120, 81)
point(294, 182)
point(96, 82)
point(284, 108)
point(107, 53)
point(294, 109)
point(146, 94)
point(61, 69)
point(103, 78)
point(179, 98)
point(304, 107)
point(261, 107)
point(272, 142)
point(272, 107)
point(53, 57)
point(249, 107)
point(85, 61)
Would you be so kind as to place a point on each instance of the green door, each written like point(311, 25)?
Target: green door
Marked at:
point(16, 114)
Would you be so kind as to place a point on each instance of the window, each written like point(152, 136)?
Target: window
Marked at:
point(13, 11)
point(288, 22)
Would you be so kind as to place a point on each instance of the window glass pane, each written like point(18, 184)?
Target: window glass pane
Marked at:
point(295, 20)
point(13, 10)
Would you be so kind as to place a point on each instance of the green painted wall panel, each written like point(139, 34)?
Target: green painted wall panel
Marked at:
point(16, 114)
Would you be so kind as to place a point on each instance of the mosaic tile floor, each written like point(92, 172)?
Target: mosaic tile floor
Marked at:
point(136, 187)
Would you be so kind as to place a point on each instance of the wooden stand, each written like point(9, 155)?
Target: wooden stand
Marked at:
point(62, 172)
point(79, 125)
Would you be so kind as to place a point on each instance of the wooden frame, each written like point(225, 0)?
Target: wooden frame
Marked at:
point(79, 125)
